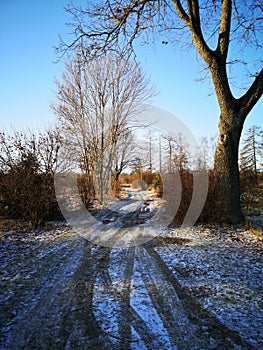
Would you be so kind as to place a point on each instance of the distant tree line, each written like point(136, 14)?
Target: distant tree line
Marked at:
point(29, 161)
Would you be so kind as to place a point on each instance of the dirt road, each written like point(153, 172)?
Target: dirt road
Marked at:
point(66, 293)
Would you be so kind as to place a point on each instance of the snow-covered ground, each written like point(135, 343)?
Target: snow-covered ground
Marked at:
point(195, 288)
point(223, 269)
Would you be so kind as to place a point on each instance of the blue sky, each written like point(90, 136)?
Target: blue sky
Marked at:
point(29, 30)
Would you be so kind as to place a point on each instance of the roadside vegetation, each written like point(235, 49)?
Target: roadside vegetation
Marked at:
point(29, 162)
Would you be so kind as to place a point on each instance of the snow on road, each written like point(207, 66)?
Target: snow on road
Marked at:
point(196, 288)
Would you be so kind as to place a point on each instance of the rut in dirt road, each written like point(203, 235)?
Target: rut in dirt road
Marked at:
point(160, 313)
point(130, 300)
point(117, 299)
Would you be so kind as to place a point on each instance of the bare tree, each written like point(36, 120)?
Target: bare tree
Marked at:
point(178, 153)
point(251, 154)
point(251, 157)
point(212, 27)
point(169, 148)
point(202, 158)
point(95, 100)
point(181, 157)
point(43, 147)
point(205, 155)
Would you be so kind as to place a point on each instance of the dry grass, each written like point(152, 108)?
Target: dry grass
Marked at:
point(257, 232)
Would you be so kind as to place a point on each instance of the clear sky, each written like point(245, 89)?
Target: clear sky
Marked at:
point(29, 30)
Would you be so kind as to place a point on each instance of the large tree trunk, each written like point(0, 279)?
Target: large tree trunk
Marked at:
point(227, 185)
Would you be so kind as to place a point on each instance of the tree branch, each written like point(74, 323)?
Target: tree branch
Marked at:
point(195, 28)
point(224, 31)
point(181, 12)
point(253, 94)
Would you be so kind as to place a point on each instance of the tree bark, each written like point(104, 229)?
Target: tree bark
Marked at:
point(227, 186)
point(232, 118)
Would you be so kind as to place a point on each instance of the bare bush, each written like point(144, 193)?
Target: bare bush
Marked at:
point(28, 162)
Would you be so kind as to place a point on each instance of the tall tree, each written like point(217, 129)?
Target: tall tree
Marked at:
point(169, 148)
point(178, 155)
point(251, 155)
point(181, 156)
point(205, 157)
point(95, 100)
point(251, 162)
point(213, 26)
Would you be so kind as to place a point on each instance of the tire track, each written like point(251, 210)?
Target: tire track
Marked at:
point(225, 337)
point(167, 304)
point(62, 314)
point(39, 315)
point(80, 328)
point(129, 316)
point(188, 325)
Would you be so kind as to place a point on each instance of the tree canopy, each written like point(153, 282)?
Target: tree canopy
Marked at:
point(212, 26)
